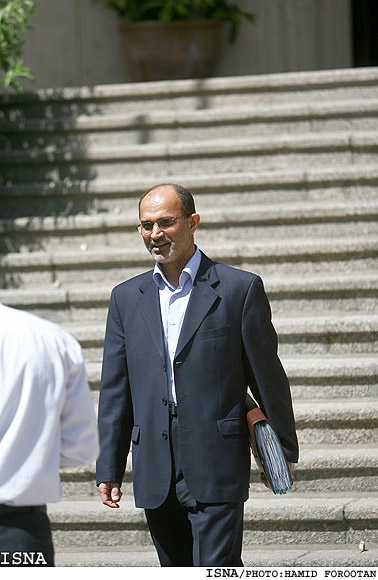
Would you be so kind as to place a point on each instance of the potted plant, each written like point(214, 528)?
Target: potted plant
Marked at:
point(175, 39)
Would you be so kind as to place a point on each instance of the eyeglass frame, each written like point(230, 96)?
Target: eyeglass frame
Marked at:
point(140, 227)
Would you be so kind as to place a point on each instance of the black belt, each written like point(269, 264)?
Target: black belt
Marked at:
point(10, 509)
point(173, 410)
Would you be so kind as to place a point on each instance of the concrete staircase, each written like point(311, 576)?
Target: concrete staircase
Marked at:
point(285, 175)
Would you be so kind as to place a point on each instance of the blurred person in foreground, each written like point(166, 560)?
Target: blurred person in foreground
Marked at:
point(47, 422)
point(183, 342)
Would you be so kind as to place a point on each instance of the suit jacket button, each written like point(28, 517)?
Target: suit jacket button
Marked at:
point(164, 435)
point(165, 402)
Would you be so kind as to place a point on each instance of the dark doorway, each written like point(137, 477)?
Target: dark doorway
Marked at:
point(365, 32)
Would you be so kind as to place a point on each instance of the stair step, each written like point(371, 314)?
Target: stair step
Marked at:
point(120, 194)
point(136, 556)
point(329, 294)
point(222, 155)
point(268, 258)
point(318, 377)
point(332, 422)
point(177, 126)
point(304, 212)
point(297, 87)
point(330, 220)
point(328, 334)
point(349, 468)
point(348, 421)
point(346, 467)
point(313, 555)
point(291, 519)
point(353, 333)
point(332, 377)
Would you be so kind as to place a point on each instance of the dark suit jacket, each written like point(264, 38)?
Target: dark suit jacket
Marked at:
point(227, 342)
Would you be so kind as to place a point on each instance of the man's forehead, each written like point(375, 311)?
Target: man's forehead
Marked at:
point(160, 198)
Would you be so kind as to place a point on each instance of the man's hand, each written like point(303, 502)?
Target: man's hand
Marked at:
point(110, 493)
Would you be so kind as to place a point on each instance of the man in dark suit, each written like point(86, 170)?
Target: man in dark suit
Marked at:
point(183, 342)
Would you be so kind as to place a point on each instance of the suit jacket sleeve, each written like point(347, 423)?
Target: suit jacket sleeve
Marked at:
point(115, 417)
point(267, 378)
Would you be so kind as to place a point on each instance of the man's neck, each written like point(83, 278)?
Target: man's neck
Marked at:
point(173, 271)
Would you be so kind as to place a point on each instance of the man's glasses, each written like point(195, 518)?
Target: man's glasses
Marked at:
point(163, 223)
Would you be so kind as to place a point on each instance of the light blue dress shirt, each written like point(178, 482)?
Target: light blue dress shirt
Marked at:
point(173, 305)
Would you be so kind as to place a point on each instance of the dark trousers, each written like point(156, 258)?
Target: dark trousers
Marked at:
point(25, 536)
point(189, 533)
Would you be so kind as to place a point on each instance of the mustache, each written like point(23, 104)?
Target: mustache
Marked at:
point(152, 244)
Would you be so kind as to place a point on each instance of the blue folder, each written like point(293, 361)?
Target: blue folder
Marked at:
point(268, 452)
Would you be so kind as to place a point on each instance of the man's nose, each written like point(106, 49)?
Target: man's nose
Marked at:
point(156, 230)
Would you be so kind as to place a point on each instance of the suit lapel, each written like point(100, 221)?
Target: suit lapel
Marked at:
point(149, 306)
point(201, 300)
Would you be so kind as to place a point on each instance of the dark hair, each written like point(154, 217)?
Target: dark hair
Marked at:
point(186, 198)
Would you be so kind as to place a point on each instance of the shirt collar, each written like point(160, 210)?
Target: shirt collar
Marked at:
point(189, 271)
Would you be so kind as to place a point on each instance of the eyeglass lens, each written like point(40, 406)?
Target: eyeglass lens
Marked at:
point(163, 223)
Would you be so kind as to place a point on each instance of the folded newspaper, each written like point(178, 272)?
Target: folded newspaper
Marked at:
point(267, 450)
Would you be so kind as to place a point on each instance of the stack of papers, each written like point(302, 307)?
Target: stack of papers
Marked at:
point(272, 458)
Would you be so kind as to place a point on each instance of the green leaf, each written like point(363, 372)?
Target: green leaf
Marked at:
point(167, 10)
point(14, 21)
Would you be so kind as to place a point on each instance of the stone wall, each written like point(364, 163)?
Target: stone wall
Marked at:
point(77, 42)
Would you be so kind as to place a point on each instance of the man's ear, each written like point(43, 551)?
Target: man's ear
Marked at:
point(194, 220)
